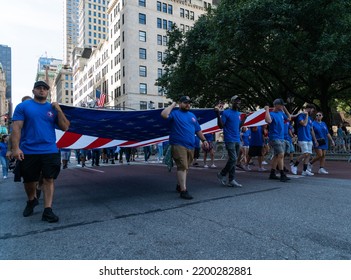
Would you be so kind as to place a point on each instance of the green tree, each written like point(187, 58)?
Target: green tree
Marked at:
point(264, 49)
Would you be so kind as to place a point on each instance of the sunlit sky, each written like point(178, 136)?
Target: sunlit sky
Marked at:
point(32, 28)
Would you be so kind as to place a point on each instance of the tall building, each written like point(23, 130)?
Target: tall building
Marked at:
point(5, 60)
point(63, 90)
point(93, 22)
point(70, 29)
point(126, 66)
point(4, 109)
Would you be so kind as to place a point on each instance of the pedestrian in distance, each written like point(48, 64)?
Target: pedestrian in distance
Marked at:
point(3, 159)
point(184, 126)
point(34, 145)
point(275, 120)
point(230, 122)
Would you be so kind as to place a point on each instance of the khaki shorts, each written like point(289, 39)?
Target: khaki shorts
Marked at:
point(182, 156)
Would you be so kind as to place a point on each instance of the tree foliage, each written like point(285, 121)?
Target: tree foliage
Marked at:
point(262, 50)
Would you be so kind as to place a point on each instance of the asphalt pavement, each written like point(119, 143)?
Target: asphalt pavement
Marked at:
point(122, 212)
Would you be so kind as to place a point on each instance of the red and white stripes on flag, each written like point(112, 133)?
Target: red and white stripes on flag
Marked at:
point(256, 118)
point(101, 100)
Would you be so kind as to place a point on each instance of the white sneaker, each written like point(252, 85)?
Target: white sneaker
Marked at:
point(309, 167)
point(322, 171)
point(247, 167)
point(262, 169)
point(5, 177)
point(221, 179)
point(293, 169)
point(234, 183)
point(213, 166)
point(206, 166)
point(264, 162)
point(307, 173)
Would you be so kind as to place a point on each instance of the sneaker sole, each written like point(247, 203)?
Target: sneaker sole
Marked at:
point(45, 219)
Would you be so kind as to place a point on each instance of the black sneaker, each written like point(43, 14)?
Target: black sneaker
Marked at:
point(49, 216)
point(178, 188)
point(273, 176)
point(284, 178)
point(185, 195)
point(30, 207)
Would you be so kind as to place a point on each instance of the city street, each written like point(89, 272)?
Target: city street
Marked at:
point(133, 212)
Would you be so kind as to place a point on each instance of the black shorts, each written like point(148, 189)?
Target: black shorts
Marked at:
point(255, 151)
point(49, 165)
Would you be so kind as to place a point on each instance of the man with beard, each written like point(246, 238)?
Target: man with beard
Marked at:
point(184, 126)
point(34, 145)
point(305, 136)
point(230, 123)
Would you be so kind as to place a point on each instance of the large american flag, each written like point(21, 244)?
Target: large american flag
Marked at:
point(96, 128)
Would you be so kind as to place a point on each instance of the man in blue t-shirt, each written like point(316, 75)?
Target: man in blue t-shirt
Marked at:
point(306, 138)
point(34, 145)
point(275, 120)
point(184, 126)
point(230, 123)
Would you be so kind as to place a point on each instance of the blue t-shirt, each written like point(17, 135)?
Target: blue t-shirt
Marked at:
point(245, 136)
point(321, 131)
point(276, 127)
point(231, 125)
point(209, 137)
point(3, 149)
point(304, 132)
point(184, 125)
point(38, 132)
point(287, 127)
point(256, 137)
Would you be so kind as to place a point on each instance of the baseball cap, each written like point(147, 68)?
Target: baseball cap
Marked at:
point(279, 101)
point(185, 99)
point(234, 98)
point(41, 84)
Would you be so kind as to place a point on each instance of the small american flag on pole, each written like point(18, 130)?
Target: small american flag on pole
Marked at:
point(100, 98)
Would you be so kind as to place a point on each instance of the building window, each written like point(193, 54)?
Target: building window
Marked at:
point(181, 12)
point(142, 3)
point(159, 72)
point(159, 40)
point(159, 23)
point(159, 56)
point(142, 71)
point(142, 18)
point(142, 53)
point(170, 9)
point(143, 105)
point(142, 36)
point(164, 24)
point(192, 16)
point(159, 6)
point(142, 88)
point(164, 7)
point(165, 40)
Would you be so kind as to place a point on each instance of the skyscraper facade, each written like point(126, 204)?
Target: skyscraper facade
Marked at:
point(70, 29)
point(93, 22)
point(5, 60)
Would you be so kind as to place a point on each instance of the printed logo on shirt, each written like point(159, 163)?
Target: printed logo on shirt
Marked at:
point(50, 114)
